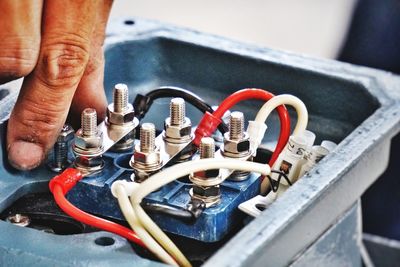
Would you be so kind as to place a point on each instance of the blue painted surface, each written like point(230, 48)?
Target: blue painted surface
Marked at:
point(93, 194)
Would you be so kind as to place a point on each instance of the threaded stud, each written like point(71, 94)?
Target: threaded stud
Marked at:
point(89, 122)
point(147, 137)
point(207, 148)
point(177, 111)
point(120, 97)
point(236, 125)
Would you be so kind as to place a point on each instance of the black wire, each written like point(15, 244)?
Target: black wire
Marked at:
point(188, 215)
point(275, 184)
point(142, 103)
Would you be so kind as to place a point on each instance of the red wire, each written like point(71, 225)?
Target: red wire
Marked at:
point(245, 94)
point(62, 183)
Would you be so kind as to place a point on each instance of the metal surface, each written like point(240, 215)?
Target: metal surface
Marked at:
point(338, 246)
point(357, 107)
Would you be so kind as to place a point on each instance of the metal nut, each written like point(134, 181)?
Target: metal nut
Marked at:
point(236, 148)
point(208, 191)
point(147, 158)
point(182, 133)
point(66, 134)
point(120, 118)
point(88, 142)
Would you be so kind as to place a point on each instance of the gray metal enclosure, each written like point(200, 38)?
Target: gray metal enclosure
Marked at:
point(357, 107)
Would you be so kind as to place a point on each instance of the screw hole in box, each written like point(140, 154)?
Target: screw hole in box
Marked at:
point(104, 241)
point(129, 22)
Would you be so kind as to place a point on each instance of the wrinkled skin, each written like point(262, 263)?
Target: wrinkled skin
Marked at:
point(57, 46)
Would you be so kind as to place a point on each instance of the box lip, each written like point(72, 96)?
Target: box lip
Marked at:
point(374, 81)
point(380, 84)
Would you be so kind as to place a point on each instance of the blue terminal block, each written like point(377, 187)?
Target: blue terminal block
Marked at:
point(93, 194)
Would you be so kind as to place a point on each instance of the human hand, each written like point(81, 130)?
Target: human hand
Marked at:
point(57, 46)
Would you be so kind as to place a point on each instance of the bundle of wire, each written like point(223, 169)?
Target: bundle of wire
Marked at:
point(151, 236)
point(155, 239)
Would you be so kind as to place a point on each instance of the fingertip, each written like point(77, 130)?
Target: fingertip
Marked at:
point(24, 155)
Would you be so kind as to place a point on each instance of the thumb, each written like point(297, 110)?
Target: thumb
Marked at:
point(46, 94)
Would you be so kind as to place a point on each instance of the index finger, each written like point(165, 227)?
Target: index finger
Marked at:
point(46, 94)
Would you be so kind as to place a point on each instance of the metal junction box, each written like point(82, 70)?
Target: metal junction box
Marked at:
point(357, 107)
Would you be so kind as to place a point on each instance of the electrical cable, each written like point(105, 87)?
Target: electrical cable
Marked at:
point(285, 99)
point(138, 191)
point(275, 184)
point(277, 101)
point(61, 184)
point(123, 200)
point(142, 103)
point(185, 215)
point(209, 122)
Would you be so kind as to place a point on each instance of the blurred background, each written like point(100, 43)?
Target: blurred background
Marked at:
point(313, 27)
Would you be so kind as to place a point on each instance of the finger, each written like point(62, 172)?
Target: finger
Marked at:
point(20, 37)
point(90, 91)
point(46, 93)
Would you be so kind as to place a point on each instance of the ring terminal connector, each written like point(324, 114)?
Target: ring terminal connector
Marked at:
point(237, 144)
point(177, 129)
point(58, 160)
point(88, 143)
point(206, 183)
point(120, 115)
point(146, 158)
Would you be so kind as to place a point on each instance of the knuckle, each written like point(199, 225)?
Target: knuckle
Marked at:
point(63, 62)
point(18, 56)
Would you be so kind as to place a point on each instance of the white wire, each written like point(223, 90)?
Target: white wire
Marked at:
point(168, 175)
point(285, 99)
point(265, 111)
point(128, 212)
point(172, 173)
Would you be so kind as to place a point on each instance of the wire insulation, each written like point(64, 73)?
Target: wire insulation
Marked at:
point(205, 129)
point(142, 103)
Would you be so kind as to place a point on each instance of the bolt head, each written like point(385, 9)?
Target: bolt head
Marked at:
point(241, 146)
point(66, 134)
point(88, 142)
point(178, 132)
point(120, 118)
point(146, 158)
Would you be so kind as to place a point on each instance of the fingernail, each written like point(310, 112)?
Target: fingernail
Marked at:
point(24, 155)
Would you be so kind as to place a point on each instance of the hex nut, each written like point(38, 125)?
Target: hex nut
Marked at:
point(236, 147)
point(147, 161)
point(66, 134)
point(183, 132)
point(88, 142)
point(206, 191)
point(120, 118)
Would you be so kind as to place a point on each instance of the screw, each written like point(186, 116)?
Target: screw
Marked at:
point(236, 125)
point(207, 148)
point(60, 149)
point(177, 111)
point(147, 137)
point(89, 122)
point(19, 219)
point(120, 97)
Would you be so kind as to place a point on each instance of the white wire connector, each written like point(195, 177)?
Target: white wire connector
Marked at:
point(256, 131)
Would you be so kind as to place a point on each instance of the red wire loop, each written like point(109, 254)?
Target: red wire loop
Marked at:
point(64, 182)
point(208, 123)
